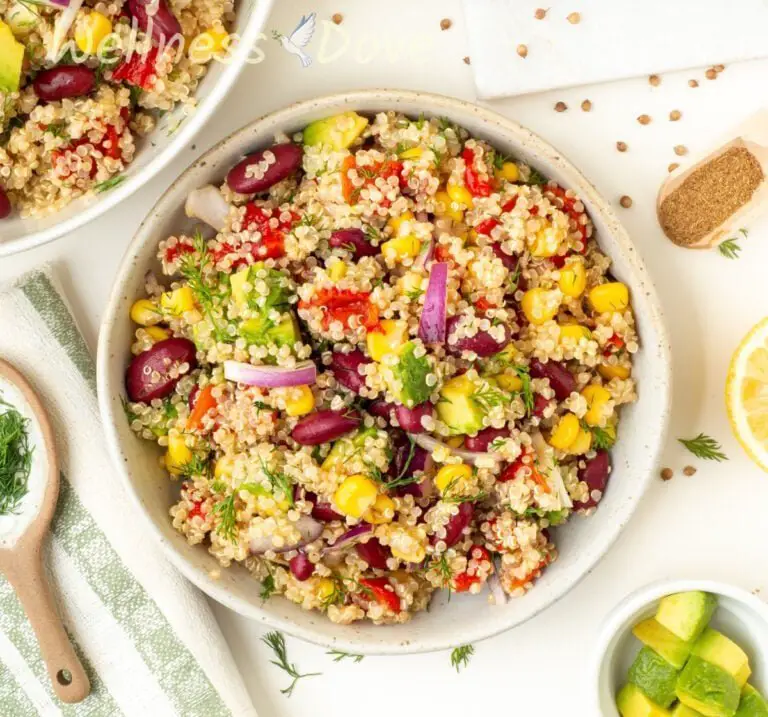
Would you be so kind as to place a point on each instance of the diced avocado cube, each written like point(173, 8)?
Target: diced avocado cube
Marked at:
point(681, 710)
point(11, 59)
point(686, 614)
point(652, 633)
point(237, 281)
point(339, 131)
point(654, 676)
point(707, 688)
point(631, 702)
point(344, 448)
point(260, 330)
point(457, 409)
point(409, 377)
point(716, 648)
point(286, 332)
point(752, 704)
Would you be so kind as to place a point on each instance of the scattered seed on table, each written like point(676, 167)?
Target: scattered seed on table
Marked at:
point(672, 167)
point(654, 80)
point(666, 474)
point(574, 18)
point(522, 50)
point(711, 74)
point(689, 470)
point(540, 14)
point(718, 68)
point(337, 18)
point(644, 119)
point(675, 115)
point(626, 201)
point(561, 107)
point(467, 60)
point(586, 105)
point(681, 150)
point(445, 24)
point(621, 146)
point(693, 83)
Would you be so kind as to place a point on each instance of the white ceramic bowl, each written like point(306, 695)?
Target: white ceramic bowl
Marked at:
point(740, 615)
point(171, 136)
point(582, 542)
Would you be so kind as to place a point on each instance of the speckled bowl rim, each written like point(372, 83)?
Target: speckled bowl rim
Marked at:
point(435, 105)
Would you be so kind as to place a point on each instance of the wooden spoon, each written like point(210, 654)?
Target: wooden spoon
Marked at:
point(751, 135)
point(22, 562)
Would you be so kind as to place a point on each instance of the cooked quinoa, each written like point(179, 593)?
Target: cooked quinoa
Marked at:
point(392, 364)
point(79, 92)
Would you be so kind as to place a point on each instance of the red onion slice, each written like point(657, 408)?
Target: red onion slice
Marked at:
point(270, 376)
point(432, 323)
point(425, 256)
point(309, 529)
point(429, 444)
point(349, 538)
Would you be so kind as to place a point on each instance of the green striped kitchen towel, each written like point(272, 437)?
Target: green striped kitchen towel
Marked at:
point(147, 638)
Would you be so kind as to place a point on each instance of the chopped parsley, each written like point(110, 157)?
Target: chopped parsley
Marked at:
point(15, 459)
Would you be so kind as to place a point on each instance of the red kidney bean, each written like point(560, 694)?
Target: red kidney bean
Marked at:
point(382, 409)
point(285, 160)
point(324, 426)
point(595, 474)
point(301, 567)
point(482, 343)
point(539, 405)
point(374, 553)
point(5, 204)
point(560, 378)
point(410, 418)
point(164, 25)
point(345, 368)
point(64, 81)
point(354, 240)
point(321, 511)
point(149, 374)
point(509, 260)
point(484, 438)
point(454, 529)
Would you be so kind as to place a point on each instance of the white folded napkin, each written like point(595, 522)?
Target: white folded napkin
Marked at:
point(147, 638)
point(612, 41)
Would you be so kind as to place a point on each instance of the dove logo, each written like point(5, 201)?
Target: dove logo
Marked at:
point(295, 43)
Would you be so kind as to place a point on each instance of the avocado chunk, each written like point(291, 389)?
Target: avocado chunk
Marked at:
point(345, 448)
point(409, 377)
point(654, 676)
point(686, 614)
point(752, 703)
point(681, 710)
point(260, 330)
point(278, 290)
point(707, 688)
point(11, 58)
point(457, 409)
point(631, 702)
point(716, 648)
point(652, 633)
point(338, 131)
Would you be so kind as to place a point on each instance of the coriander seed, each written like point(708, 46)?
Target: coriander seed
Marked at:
point(540, 14)
point(561, 107)
point(681, 150)
point(445, 24)
point(710, 74)
point(522, 50)
point(574, 18)
point(644, 119)
point(626, 201)
point(689, 471)
point(654, 80)
point(337, 18)
point(666, 474)
point(672, 167)
point(586, 105)
point(693, 83)
point(621, 146)
point(467, 60)
point(675, 115)
point(718, 68)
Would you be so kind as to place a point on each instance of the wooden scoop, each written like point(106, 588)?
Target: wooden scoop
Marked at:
point(751, 135)
point(22, 564)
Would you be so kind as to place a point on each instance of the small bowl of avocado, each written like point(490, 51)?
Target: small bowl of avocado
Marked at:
point(683, 649)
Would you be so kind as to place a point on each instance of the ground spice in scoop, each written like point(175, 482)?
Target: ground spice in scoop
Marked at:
point(710, 195)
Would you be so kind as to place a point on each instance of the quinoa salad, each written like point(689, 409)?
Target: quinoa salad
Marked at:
point(387, 361)
point(81, 83)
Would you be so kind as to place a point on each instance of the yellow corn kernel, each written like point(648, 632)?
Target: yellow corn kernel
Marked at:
point(509, 381)
point(224, 467)
point(460, 385)
point(204, 46)
point(389, 340)
point(609, 297)
point(582, 443)
point(460, 195)
point(412, 153)
point(325, 589)
point(540, 305)
point(574, 332)
point(452, 475)
point(597, 398)
point(444, 207)
point(145, 312)
point(337, 271)
point(299, 401)
point(401, 225)
point(91, 30)
point(157, 334)
point(573, 279)
point(546, 241)
point(508, 171)
point(609, 371)
point(455, 441)
point(401, 248)
point(565, 432)
point(383, 510)
point(408, 544)
point(178, 301)
point(178, 454)
point(356, 495)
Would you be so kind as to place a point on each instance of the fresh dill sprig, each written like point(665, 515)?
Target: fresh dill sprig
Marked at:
point(601, 439)
point(339, 656)
point(460, 656)
point(414, 295)
point(15, 459)
point(704, 447)
point(488, 398)
point(227, 512)
point(108, 184)
point(526, 391)
point(195, 466)
point(276, 642)
point(278, 481)
point(730, 248)
point(268, 584)
point(536, 177)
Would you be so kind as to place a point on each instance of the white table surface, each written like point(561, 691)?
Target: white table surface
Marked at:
point(710, 525)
